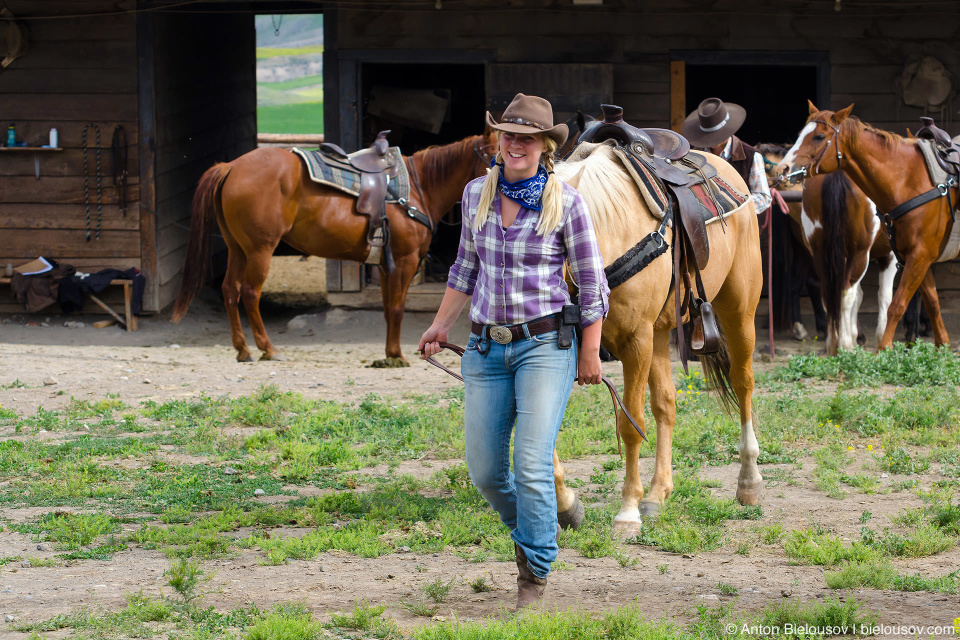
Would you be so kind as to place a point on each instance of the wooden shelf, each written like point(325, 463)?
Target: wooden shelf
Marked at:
point(31, 148)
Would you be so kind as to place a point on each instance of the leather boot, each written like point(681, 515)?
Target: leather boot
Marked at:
point(530, 588)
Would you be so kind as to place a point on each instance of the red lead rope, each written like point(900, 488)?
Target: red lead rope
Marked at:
point(614, 396)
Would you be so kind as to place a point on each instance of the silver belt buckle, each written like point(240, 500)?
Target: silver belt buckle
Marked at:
point(500, 335)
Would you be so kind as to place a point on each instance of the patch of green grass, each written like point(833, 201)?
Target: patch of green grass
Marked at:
point(881, 574)
point(920, 364)
point(365, 618)
point(849, 614)
point(814, 547)
point(73, 531)
point(925, 540)
point(300, 117)
point(291, 621)
point(771, 533)
point(479, 585)
point(898, 460)
point(272, 52)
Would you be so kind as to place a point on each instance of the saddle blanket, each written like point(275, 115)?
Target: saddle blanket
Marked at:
point(348, 181)
point(718, 200)
point(938, 176)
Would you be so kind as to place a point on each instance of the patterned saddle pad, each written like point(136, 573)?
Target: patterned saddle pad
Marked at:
point(725, 199)
point(336, 175)
point(938, 176)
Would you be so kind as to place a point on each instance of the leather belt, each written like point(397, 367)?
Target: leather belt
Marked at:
point(505, 334)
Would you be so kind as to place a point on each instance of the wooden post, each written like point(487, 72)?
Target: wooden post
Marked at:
point(678, 94)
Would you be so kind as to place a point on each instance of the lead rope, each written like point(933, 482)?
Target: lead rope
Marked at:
point(86, 181)
point(614, 396)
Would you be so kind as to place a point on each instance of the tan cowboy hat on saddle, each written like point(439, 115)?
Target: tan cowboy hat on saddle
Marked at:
point(713, 122)
point(529, 114)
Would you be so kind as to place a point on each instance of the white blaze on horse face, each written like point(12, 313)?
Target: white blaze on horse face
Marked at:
point(792, 154)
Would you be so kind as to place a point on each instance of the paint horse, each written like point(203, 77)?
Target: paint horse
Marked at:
point(266, 196)
point(841, 231)
point(640, 317)
point(891, 171)
point(792, 259)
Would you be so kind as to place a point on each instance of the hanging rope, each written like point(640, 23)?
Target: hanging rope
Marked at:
point(276, 25)
point(119, 151)
point(86, 180)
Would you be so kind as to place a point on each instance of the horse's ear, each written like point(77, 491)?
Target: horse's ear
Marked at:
point(909, 133)
point(841, 115)
point(812, 107)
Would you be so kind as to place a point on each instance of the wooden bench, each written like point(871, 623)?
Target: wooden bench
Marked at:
point(130, 320)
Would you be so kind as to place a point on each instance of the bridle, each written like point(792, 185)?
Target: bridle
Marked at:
point(481, 154)
point(802, 172)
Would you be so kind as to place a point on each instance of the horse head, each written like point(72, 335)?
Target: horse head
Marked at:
point(817, 149)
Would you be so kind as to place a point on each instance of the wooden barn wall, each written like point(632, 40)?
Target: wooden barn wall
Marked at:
point(205, 111)
point(76, 71)
point(866, 52)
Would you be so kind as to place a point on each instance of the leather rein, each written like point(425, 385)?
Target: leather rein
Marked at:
point(614, 396)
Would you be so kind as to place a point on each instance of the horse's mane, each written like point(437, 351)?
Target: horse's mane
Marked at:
point(610, 192)
point(436, 162)
point(852, 124)
point(773, 149)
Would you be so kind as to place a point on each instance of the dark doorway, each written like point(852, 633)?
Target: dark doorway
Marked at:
point(460, 87)
point(775, 96)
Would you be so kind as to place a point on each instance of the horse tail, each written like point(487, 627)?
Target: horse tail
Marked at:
point(203, 219)
point(716, 371)
point(833, 216)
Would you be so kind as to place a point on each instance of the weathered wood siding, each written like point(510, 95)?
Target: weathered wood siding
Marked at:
point(76, 71)
point(206, 112)
point(867, 44)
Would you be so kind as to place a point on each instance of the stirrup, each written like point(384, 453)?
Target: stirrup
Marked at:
point(705, 337)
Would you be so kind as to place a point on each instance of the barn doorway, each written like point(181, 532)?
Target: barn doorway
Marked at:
point(774, 96)
point(424, 105)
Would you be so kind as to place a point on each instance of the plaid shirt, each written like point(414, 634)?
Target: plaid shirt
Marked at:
point(516, 275)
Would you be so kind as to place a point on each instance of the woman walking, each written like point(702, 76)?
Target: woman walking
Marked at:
point(520, 225)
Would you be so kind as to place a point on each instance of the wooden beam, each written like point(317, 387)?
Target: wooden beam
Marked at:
point(678, 94)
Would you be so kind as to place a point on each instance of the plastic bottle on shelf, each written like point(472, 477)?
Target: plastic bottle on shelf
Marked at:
point(11, 135)
point(53, 138)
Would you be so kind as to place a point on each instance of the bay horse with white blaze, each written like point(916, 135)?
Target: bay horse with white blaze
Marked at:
point(890, 170)
point(638, 324)
point(266, 196)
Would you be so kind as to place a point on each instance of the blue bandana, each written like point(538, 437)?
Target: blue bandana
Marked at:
point(529, 192)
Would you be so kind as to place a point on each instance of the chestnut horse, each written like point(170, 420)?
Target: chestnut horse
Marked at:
point(638, 324)
point(890, 170)
point(266, 196)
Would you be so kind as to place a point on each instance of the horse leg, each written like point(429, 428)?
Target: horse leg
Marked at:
point(394, 294)
point(636, 367)
point(913, 273)
point(255, 274)
point(736, 316)
point(928, 289)
point(850, 303)
point(236, 262)
point(663, 399)
point(570, 509)
point(885, 293)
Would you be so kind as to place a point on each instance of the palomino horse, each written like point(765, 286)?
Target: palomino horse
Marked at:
point(637, 328)
point(890, 170)
point(266, 196)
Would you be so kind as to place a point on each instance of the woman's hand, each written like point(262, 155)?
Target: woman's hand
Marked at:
point(589, 370)
point(431, 339)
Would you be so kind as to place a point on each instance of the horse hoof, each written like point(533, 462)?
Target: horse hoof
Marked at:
point(244, 357)
point(799, 332)
point(276, 356)
point(626, 530)
point(389, 363)
point(572, 517)
point(749, 493)
point(649, 511)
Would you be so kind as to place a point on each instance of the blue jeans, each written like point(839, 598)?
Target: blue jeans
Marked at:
point(526, 382)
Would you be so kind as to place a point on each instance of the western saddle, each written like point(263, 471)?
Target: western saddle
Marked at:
point(666, 154)
point(376, 169)
point(948, 151)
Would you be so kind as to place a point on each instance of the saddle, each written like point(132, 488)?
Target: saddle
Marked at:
point(376, 169)
point(667, 156)
point(948, 151)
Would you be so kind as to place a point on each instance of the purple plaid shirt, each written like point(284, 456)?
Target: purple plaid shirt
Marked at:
point(516, 275)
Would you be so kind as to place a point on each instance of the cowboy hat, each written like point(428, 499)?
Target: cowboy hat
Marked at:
point(529, 114)
point(713, 122)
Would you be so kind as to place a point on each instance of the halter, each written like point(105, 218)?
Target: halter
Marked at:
point(836, 136)
point(480, 151)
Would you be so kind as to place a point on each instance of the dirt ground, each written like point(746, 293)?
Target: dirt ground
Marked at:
point(327, 352)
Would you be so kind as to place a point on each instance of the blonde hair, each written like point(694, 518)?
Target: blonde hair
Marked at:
point(551, 213)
